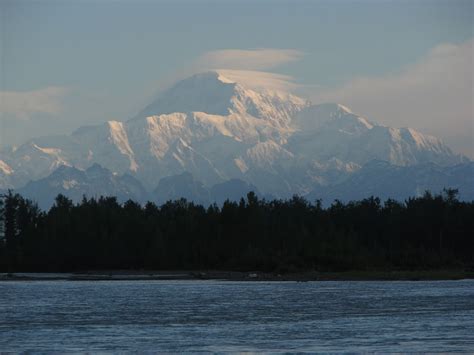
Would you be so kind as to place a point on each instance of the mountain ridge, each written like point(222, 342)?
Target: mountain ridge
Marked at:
point(376, 178)
point(218, 130)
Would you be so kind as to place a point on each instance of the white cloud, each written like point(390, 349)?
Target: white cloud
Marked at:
point(251, 59)
point(248, 66)
point(260, 80)
point(24, 104)
point(434, 95)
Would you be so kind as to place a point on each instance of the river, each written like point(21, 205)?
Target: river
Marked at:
point(177, 316)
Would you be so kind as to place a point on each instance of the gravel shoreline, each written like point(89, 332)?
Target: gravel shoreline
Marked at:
point(120, 275)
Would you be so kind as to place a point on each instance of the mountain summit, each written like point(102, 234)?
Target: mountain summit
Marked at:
point(213, 93)
point(217, 129)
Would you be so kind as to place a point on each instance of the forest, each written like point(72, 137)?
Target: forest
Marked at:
point(428, 232)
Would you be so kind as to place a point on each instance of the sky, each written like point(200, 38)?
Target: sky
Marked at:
point(66, 64)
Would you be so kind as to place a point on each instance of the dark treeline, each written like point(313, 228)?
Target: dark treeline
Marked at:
point(429, 232)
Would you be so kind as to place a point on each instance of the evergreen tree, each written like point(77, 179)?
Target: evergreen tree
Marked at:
point(431, 231)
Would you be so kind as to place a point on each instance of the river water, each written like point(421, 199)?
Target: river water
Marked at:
point(218, 316)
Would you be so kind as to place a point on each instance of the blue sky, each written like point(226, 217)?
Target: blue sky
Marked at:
point(98, 60)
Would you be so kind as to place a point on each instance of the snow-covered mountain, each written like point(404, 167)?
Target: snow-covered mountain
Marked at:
point(97, 181)
point(218, 130)
point(94, 182)
point(384, 180)
point(332, 131)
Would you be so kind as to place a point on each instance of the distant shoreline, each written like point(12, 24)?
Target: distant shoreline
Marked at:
point(251, 276)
